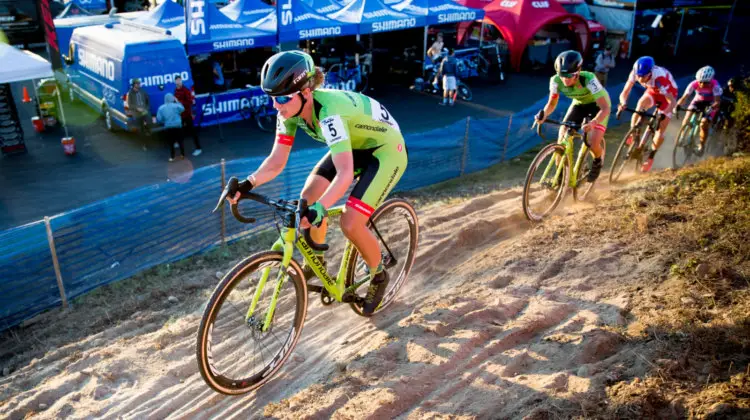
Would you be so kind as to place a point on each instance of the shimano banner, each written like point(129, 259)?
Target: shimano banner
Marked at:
point(212, 109)
point(197, 20)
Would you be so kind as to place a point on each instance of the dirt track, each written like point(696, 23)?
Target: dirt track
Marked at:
point(495, 321)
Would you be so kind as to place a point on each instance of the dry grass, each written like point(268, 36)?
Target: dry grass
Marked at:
point(696, 312)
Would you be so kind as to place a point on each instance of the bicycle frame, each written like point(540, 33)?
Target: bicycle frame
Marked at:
point(286, 244)
point(568, 140)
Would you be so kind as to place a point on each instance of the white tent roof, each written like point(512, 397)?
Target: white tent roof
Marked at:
point(20, 65)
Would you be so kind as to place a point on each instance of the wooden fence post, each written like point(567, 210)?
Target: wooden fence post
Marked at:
point(55, 263)
point(507, 136)
point(466, 147)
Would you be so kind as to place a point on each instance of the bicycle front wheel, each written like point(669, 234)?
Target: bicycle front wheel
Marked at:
point(683, 147)
point(623, 155)
point(396, 227)
point(546, 181)
point(235, 354)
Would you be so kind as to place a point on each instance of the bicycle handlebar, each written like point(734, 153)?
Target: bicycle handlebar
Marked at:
point(299, 210)
point(635, 111)
point(571, 125)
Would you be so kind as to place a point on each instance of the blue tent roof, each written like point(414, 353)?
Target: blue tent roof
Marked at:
point(209, 30)
point(450, 11)
point(91, 5)
point(300, 20)
point(391, 15)
point(247, 11)
point(267, 23)
point(73, 9)
point(166, 15)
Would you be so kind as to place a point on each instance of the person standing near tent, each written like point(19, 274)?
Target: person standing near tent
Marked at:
point(185, 97)
point(170, 114)
point(436, 48)
point(139, 105)
point(449, 71)
point(604, 63)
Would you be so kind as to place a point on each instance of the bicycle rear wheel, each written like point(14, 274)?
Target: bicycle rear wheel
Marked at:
point(464, 92)
point(683, 147)
point(266, 122)
point(397, 228)
point(542, 192)
point(583, 187)
point(623, 154)
point(234, 355)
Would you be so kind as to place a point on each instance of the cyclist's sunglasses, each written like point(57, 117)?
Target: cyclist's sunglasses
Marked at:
point(569, 75)
point(283, 100)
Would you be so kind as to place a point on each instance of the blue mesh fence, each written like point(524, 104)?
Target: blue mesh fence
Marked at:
point(113, 239)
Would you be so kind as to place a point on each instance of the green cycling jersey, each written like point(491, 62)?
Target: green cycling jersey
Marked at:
point(345, 121)
point(586, 90)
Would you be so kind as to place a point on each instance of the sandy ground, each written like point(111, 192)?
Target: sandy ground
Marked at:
point(497, 320)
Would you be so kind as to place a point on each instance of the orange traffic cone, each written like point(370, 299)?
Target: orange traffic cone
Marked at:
point(26, 98)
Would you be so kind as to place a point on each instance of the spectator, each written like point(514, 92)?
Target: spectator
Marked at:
point(604, 63)
point(170, 114)
point(448, 69)
point(185, 97)
point(140, 108)
point(218, 71)
point(437, 47)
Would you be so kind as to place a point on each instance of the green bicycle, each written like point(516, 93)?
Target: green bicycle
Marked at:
point(551, 170)
point(250, 327)
point(687, 144)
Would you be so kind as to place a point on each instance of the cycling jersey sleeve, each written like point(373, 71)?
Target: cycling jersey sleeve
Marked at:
point(285, 131)
point(336, 133)
point(717, 88)
point(631, 77)
point(554, 89)
point(596, 88)
point(690, 88)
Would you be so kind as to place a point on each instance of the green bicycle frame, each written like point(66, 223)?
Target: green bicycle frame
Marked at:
point(568, 142)
point(285, 244)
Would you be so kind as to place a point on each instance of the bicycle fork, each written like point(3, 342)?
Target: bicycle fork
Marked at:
point(283, 245)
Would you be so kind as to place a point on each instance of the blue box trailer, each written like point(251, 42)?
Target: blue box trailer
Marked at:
point(103, 61)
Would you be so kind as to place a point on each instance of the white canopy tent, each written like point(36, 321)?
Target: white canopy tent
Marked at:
point(20, 65)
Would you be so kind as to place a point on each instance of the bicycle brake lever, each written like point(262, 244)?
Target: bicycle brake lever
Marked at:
point(233, 182)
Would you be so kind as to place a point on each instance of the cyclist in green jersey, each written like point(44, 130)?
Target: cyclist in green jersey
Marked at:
point(590, 101)
point(364, 141)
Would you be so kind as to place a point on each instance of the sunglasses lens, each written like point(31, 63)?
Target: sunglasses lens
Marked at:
point(282, 100)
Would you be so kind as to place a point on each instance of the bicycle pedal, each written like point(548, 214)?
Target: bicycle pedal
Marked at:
point(326, 299)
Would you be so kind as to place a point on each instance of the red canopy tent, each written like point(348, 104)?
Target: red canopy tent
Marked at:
point(519, 20)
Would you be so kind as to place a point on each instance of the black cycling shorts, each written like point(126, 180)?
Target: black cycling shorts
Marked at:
point(578, 112)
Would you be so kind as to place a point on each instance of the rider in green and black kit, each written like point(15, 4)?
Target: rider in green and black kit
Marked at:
point(364, 142)
point(590, 101)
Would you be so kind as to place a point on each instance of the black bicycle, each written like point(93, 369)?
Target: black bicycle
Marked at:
point(633, 146)
point(255, 109)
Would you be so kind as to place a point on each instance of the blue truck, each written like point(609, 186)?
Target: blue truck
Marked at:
point(102, 62)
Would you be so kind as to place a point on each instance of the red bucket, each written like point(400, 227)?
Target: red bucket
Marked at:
point(38, 124)
point(69, 145)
